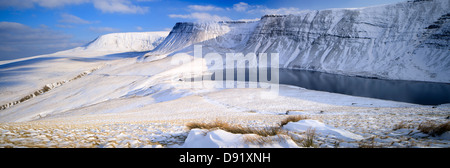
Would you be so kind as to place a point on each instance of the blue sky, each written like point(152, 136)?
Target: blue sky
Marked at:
point(33, 27)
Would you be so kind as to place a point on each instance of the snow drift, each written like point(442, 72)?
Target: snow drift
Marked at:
point(321, 128)
point(200, 138)
point(406, 41)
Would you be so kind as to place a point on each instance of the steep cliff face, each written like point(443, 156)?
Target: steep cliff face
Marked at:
point(391, 41)
point(408, 41)
point(222, 34)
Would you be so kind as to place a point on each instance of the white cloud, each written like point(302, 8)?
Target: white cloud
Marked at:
point(201, 17)
point(44, 3)
point(179, 16)
point(241, 6)
point(58, 3)
point(19, 40)
point(259, 9)
point(11, 32)
point(250, 20)
point(139, 28)
point(204, 8)
point(68, 18)
point(106, 6)
point(282, 11)
point(119, 6)
point(17, 4)
point(64, 26)
point(8, 49)
point(103, 29)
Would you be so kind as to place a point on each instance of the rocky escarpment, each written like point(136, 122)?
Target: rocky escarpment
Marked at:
point(407, 40)
point(222, 34)
point(391, 41)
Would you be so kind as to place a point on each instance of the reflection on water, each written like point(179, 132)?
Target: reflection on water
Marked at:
point(426, 93)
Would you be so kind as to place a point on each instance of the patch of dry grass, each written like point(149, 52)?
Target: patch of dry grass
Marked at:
point(293, 118)
point(235, 129)
point(434, 129)
point(402, 125)
point(309, 140)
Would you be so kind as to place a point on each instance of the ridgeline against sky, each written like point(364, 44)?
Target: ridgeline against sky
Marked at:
point(33, 27)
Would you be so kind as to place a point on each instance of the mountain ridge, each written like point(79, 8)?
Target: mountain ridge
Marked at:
point(402, 41)
point(126, 42)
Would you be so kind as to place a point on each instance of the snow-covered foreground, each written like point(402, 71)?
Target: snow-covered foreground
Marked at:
point(128, 104)
point(343, 129)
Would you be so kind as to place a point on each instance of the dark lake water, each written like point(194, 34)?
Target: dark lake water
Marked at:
point(425, 93)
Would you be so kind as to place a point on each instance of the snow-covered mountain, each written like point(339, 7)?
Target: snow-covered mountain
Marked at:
point(228, 33)
point(125, 42)
point(407, 41)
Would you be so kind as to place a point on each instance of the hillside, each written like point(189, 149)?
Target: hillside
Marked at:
point(405, 41)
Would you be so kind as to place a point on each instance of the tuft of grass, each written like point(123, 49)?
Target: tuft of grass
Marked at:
point(434, 129)
point(402, 125)
point(293, 118)
point(309, 140)
point(215, 124)
point(235, 129)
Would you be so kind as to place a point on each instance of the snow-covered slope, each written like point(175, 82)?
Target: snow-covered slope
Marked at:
point(25, 78)
point(125, 42)
point(107, 44)
point(407, 41)
point(227, 33)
